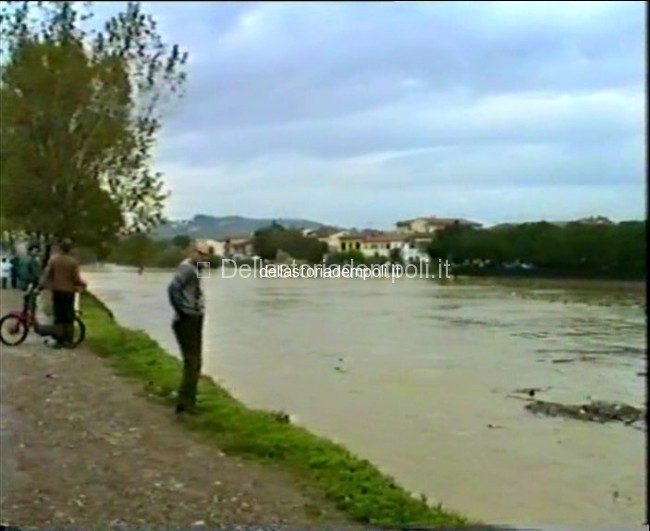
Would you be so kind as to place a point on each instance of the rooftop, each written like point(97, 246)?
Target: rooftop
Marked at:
point(376, 238)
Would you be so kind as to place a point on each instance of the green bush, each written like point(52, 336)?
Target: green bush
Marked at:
point(346, 257)
point(267, 242)
point(168, 257)
point(577, 249)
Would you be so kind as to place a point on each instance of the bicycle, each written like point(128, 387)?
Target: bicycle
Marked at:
point(15, 326)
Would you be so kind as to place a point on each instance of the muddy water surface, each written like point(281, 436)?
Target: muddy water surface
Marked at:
point(415, 376)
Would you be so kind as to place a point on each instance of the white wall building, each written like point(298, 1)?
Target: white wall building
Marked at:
point(371, 245)
point(412, 252)
point(384, 245)
point(218, 246)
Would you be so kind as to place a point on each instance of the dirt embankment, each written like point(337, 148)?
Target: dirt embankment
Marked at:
point(82, 447)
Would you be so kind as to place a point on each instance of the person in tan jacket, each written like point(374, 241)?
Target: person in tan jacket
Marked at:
point(62, 277)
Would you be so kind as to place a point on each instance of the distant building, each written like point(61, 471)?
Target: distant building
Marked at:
point(431, 225)
point(333, 241)
point(385, 245)
point(595, 220)
point(372, 245)
point(218, 246)
point(415, 249)
point(328, 235)
point(239, 248)
point(320, 232)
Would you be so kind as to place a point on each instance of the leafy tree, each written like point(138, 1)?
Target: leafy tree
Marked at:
point(80, 112)
point(268, 241)
point(170, 256)
point(182, 241)
point(576, 249)
point(347, 257)
point(136, 250)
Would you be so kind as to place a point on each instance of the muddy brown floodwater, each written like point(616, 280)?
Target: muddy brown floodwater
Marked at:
point(415, 376)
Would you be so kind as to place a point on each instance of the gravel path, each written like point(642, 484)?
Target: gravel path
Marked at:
point(83, 447)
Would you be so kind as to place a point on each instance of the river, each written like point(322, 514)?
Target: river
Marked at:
point(415, 376)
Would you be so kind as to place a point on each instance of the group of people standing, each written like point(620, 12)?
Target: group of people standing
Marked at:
point(47, 266)
point(18, 272)
point(54, 268)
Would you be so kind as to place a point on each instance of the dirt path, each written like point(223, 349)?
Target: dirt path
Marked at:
point(83, 447)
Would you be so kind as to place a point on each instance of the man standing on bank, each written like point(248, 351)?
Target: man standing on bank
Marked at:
point(61, 275)
point(186, 297)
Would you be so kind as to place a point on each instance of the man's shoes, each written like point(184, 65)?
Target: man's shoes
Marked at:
point(185, 409)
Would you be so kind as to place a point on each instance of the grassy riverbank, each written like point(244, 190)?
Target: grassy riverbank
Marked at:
point(354, 484)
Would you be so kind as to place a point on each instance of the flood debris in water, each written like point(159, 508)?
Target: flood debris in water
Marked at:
point(594, 412)
point(570, 360)
point(531, 391)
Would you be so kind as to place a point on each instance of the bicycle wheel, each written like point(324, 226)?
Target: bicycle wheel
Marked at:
point(13, 330)
point(79, 331)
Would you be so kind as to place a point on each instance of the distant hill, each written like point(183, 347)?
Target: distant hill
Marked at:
point(202, 226)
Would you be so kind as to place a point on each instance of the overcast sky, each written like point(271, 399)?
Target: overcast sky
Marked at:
point(360, 114)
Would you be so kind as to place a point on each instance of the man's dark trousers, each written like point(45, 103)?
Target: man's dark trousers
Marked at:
point(63, 309)
point(189, 331)
point(14, 273)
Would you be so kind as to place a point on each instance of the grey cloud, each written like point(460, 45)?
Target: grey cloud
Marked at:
point(291, 63)
point(291, 105)
point(421, 123)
